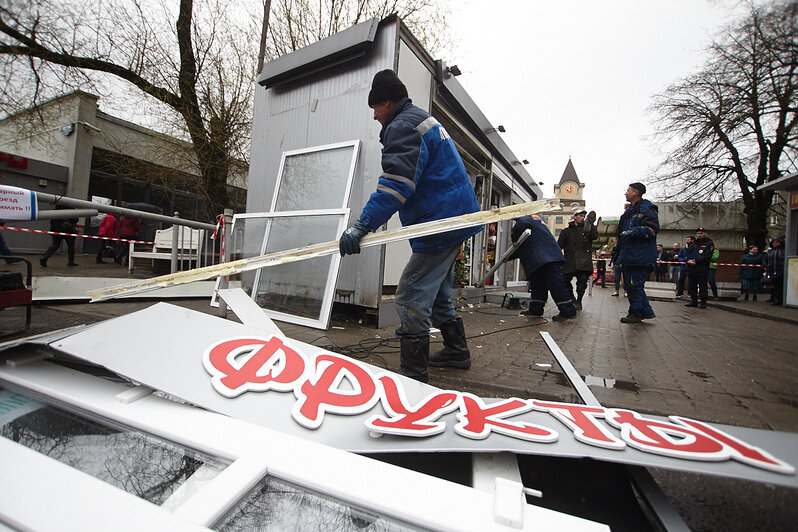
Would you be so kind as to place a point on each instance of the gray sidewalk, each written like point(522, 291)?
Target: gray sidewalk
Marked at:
point(733, 363)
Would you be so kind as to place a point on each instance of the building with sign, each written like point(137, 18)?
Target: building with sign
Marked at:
point(312, 113)
point(68, 146)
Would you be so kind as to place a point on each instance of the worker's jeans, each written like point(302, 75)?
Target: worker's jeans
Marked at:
point(424, 293)
point(634, 280)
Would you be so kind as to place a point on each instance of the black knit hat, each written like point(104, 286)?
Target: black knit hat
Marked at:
point(640, 187)
point(386, 86)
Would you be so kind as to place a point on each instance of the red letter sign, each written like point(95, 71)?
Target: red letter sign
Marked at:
point(581, 420)
point(477, 420)
point(403, 420)
point(252, 364)
point(322, 393)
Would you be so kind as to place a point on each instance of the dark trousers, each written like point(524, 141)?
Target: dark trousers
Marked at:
point(4, 251)
point(57, 239)
point(549, 278)
point(711, 281)
point(698, 286)
point(600, 274)
point(680, 285)
point(634, 281)
point(122, 252)
point(778, 288)
point(582, 278)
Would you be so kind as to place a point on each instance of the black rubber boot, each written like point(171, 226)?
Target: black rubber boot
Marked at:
point(414, 353)
point(455, 353)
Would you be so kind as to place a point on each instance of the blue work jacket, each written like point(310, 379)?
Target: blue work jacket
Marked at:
point(639, 249)
point(422, 177)
point(539, 248)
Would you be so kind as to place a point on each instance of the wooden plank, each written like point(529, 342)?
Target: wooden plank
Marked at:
point(322, 249)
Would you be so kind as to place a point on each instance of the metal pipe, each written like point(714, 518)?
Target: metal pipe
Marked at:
point(133, 213)
point(63, 213)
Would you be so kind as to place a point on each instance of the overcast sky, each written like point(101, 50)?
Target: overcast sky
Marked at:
point(575, 77)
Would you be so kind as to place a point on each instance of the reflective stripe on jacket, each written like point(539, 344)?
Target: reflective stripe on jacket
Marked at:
point(423, 178)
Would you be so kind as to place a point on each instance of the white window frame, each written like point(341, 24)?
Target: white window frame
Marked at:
point(332, 273)
point(355, 144)
point(40, 493)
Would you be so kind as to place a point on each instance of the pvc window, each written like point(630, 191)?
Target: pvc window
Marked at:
point(131, 460)
point(295, 480)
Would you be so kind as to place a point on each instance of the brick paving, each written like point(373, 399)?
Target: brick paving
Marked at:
point(733, 363)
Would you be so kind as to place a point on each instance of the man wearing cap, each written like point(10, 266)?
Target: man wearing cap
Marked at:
point(636, 251)
point(423, 178)
point(575, 242)
point(697, 259)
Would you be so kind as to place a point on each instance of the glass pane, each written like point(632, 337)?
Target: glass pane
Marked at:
point(130, 460)
point(315, 180)
point(278, 505)
point(297, 288)
point(247, 241)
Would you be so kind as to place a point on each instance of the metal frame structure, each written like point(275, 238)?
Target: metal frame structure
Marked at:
point(355, 144)
point(70, 499)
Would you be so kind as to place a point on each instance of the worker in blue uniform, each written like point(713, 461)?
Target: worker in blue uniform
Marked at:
point(542, 260)
point(423, 179)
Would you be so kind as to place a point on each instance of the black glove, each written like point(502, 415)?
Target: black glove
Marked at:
point(349, 244)
point(627, 233)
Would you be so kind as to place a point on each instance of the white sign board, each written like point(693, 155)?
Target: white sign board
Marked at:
point(17, 203)
point(303, 390)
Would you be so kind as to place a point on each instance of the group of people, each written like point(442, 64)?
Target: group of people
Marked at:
point(64, 230)
point(423, 179)
point(755, 265)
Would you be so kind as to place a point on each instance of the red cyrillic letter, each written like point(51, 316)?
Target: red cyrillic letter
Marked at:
point(323, 394)
point(271, 365)
point(404, 421)
point(740, 451)
point(665, 438)
point(581, 420)
point(478, 420)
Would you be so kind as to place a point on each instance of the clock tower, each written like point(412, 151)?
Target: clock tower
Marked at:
point(570, 193)
point(569, 189)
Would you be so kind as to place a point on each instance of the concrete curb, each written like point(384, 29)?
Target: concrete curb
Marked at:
point(747, 312)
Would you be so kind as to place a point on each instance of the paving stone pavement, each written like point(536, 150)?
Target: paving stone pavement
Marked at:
point(712, 364)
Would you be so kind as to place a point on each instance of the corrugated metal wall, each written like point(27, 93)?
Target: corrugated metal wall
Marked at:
point(328, 107)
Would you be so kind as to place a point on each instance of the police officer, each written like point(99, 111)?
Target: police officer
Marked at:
point(697, 259)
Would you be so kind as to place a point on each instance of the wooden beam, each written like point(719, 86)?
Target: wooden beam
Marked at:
point(321, 249)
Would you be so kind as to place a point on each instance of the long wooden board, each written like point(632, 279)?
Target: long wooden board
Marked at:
point(321, 249)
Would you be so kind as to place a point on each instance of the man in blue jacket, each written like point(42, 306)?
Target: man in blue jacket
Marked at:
point(423, 178)
point(637, 251)
point(542, 260)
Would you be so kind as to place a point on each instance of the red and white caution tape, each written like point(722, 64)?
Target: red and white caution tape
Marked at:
point(718, 263)
point(25, 229)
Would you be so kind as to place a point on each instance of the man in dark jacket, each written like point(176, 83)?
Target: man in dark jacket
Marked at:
point(774, 269)
point(423, 178)
point(637, 251)
point(575, 241)
point(681, 257)
point(68, 226)
point(542, 261)
point(697, 259)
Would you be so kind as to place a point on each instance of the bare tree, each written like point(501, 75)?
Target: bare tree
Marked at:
point(731, 127)
point(297, 23)
point(196, 70)
point(191, 78)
